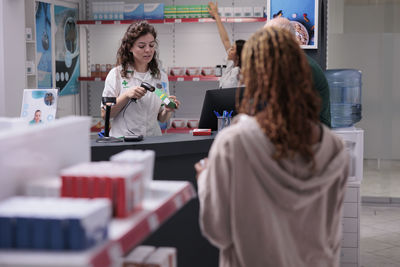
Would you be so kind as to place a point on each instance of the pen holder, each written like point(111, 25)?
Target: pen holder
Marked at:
point(223, 122)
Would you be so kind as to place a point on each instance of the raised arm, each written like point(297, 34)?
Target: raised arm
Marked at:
point(213, 10)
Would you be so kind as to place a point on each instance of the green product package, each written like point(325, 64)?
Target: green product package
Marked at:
point(165, 98)
point(182, 11)
point(204, 12)
point(170, 12)
point(195, 11)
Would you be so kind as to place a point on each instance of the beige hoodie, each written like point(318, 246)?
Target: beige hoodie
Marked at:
point(259, 212)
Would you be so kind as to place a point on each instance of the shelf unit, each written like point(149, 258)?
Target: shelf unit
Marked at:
point(162, 21)
point(165, 198)
point(195, 78)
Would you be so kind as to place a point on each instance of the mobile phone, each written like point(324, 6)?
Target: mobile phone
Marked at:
point(133, 138)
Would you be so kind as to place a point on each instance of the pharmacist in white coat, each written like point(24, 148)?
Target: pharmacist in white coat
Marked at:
point(231, 75)
point(137, 110)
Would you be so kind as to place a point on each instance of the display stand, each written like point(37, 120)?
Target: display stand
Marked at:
point(165, 199)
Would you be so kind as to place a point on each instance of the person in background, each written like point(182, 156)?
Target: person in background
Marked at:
point(231, 76)
point(37, 117)
point(137, 111)
point(320, 83)
point(271, 192)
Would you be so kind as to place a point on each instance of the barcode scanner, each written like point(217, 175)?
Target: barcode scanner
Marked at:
point(146, 86)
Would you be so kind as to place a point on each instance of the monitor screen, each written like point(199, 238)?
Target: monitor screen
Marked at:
point(217, 100)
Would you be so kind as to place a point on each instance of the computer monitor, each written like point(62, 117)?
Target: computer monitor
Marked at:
point(218, 100)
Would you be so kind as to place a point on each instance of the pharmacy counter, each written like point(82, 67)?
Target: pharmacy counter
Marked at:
point(176, 155)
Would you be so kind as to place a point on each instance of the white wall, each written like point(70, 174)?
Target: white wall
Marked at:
point(2, 82)
point(13, 47)
point(370, 41)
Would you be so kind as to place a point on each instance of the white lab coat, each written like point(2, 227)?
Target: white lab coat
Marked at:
point(230, 76)
point(140, 117)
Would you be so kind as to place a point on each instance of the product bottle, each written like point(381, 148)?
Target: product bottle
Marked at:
point(218, 71)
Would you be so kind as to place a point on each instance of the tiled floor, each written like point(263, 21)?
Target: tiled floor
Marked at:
point(381, 178)
point(380, 236)
point(380, 223)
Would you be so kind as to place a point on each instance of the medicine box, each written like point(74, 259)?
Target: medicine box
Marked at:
point(228, 12)
point(170, 12)
point(238, 12)
point(195, 11)
point(248, 11)
point(258, 11)
point(121, 183)
point(182, 11)
point(133, 11)
point(53, 223)
point(153, 11)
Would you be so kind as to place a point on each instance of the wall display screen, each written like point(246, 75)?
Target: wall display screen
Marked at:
point(43, 45)
point(66, 49)
point(303, 15)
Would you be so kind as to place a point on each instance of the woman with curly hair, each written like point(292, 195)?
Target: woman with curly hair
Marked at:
point(271, 192)
point(137, 111)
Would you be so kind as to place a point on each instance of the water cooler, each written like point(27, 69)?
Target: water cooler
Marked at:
point(345, 100)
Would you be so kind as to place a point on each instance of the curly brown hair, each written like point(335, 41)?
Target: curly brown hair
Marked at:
point(279, 93)
point(125, 57)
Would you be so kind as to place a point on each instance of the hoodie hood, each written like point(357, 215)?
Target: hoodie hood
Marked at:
point(291, 183)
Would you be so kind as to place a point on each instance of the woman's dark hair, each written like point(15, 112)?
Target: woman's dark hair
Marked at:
point(125, 57)
point(276, 71)
point(239, 47)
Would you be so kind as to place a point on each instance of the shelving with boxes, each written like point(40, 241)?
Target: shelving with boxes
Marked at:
point(73, 231)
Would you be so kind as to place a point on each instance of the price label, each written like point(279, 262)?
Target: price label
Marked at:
point(178, 20)
point(117, 22)
point(202, 20)
point(238, 20)
point(153, 222)
point(97, 22)
point(180, 79)
point(97, 79)
point(196, 79)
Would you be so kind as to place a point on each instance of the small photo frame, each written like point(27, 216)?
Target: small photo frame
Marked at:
point(303, 14)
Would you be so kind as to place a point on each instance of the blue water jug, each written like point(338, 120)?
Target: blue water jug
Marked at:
point(345, 96)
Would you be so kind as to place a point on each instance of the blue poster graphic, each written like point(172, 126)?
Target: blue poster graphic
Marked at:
point(43, 45)
point(66, 50)
point(302, 15)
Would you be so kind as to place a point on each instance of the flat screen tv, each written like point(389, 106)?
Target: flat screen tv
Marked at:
point(217, 100)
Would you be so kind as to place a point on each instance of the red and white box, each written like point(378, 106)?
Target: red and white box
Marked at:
point(201, 132)
point(122, 183)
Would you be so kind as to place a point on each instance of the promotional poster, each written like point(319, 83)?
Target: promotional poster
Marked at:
point(302, 14)
point(66, 49)
point(43, 45)
point(39, 106)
